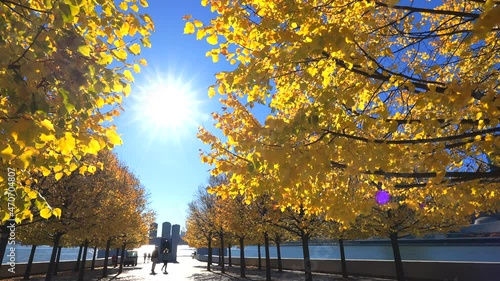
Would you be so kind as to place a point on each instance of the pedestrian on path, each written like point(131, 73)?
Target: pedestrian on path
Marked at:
point(145, 256)
point(154, 260)
point(165, 261)
point(149, 257)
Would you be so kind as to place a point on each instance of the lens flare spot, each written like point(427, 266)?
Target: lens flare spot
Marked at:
point(382, 197)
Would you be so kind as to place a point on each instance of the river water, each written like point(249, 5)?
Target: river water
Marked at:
point(437, 252)
point(479, 253)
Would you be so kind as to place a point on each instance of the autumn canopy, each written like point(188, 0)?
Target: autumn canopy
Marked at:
point(361, 96)
point(64, 68)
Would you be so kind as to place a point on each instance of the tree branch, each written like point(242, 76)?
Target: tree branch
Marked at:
point(430, 11)
point(459, 176)
point(418, 141)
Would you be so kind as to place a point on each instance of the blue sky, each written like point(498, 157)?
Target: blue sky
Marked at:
point(162, 150)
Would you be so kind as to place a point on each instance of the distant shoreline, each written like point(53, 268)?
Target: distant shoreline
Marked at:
point(463, 241)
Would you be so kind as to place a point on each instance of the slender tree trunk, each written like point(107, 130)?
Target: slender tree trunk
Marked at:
point(209, 261)
point(307, 257)
point(230, 264)
point(4, 239)
point(122, 258)
point(27, 272)
point(342, 259)
point(221, 255)
point(106, 255)
point(77, 265)
point(242, 257)
point(259, 259)
point(57, 238)
point(83, 261)
point(56, 267)
point(93, 258)
point(278, 249)
point(268, 258)
point(397, 257)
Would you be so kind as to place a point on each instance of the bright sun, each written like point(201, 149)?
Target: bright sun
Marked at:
point(166, 107)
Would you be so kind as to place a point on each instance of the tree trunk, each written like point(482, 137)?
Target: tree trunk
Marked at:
point(278, 249)
point(268, 258)
point(56, 267)
point(27, 272)
point(93, 258)
point(221, 255)
point(307, 257)
point(229, 255)
point(77, 265)
point(122, 258)
point(397, 257)
point(209, 260)
point(342, 259)
point(259, 259)
point(242, 257)
point(106, 256)
point(57, 238)
point(82, 262)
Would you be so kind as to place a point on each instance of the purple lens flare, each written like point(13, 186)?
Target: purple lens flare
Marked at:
point(382, 197)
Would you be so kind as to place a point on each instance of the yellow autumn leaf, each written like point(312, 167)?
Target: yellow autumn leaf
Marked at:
point(117, 87)
point(94, 147)
point(57, 212)
point(7, 153)
point(58, 176)
point(82, 169)
point(120, 54)
point(46, 213)
point(135, 49)
point(67, 143)
point(197, 23)
point(99, 102)
point(47, 124)
point(45, 171)
point(124, 6)
point(91, 169)
point(113, 137)
point(105, 58)
point(84, 50)
point(137, 68)
point(128, 75)
point(212, 39)
point(32, 194)
point(211, 92)
point(127, 90)
point(189, 28)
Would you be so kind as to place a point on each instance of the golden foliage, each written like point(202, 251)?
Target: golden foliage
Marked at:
point(360, 95)
point(56, 80)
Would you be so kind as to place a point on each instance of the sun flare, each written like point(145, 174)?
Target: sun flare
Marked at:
point(166, 106)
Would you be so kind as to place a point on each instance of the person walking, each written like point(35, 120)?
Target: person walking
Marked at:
point(149, 257)
point(165, 261)
point(154, 260)
point(145, 256)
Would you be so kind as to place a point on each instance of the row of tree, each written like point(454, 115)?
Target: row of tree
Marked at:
point(105, 209)
point(373, 115)
point(232, 221)
point(65, 67)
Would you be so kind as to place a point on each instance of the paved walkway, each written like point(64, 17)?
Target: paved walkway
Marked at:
point(190, 269)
